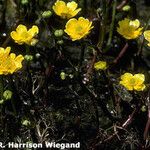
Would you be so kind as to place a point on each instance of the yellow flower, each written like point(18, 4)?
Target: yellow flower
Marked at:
point(9, 63)
point(133, 82)
point(147, 36)
point(129, 29)
point(100, 65)
point(64, 10)
point(22, 35)
point(78, 29)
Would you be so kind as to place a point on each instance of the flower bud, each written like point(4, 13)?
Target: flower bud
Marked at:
point(46, 14)
point(1, 101)
point(59, 33)
point(60, 42)
point(37, 55)
point(7, 94)
point(126, 8)
point(24, 2)
point(26, 122)
point(99, 10)
point(33, 42)
point(71, 76)
point(28, 57)
point(63, 75)
point(143, 108)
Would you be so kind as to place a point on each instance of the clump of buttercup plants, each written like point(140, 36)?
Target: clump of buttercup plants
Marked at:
point(71, 71)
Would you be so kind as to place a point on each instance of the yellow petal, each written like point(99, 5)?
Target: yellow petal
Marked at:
point(124, 23)
point(33, 31)
point(70, 25)
point(126, 85)
point(126, 76)
point(75, 12)
point(59, 7)
point(18, 61)
point(72, 5)
point(21, 28)
point(100, 65)
point(19, 58)
point(140, 78)
point(15, 35)
point(8, 50)
point(135, 23)
point(140, 87)
point(147, 35)
point(12, 56)
point(2, 49)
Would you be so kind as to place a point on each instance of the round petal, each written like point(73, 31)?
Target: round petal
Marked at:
point(19, 58)
point(126, 76)
point(126, 85)
point(21, 29)
point(147, 35)
point(140, 87)
point(59, 7)
point(14, 35)
point(18, 61)
point(70, 26)
point(33, 31)
point(7, 50)
point(135, 23)
point(72, 5)
point(12, 56)
point(140, 78)
point(75, 12)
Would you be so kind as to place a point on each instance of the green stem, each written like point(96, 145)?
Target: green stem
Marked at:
point(27, 50)
point(102, 29)
point(81, 56)
point(14, 97)
point(13, 106)
point(112, 23)
point(1, 87)
point(1, 96)
point(143, 40)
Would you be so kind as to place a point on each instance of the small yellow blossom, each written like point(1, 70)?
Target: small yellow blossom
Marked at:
point(9, 62)
point(100, 65)
point(133, 82)
point(129, 29)
point(22, 35)
point(66, 11)
point(147, 36)
point(78, 29)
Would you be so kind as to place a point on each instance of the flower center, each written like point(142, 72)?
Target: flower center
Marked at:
point(132, 81)
point(79, 29)
point(25, 35)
